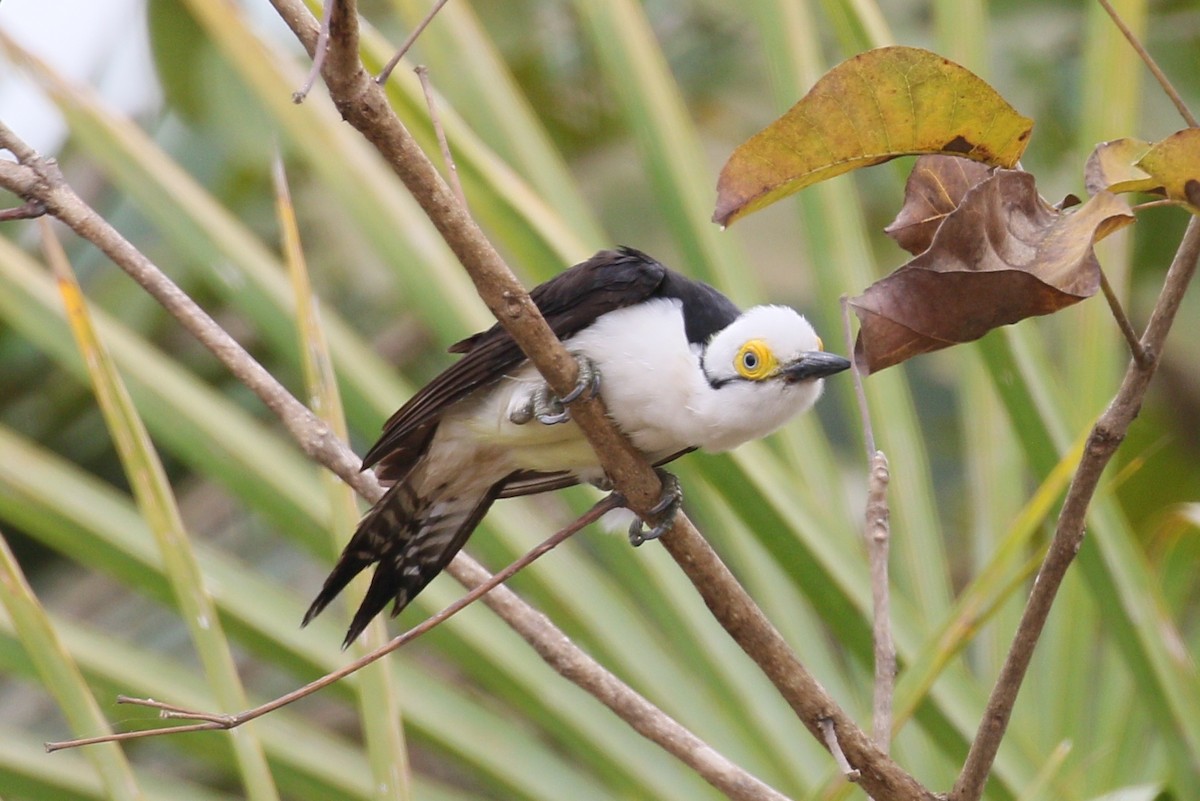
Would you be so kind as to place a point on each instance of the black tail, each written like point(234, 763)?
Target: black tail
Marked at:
point(412, 539)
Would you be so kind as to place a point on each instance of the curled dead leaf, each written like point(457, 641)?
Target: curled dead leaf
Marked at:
point(1003, 254)
point(934, 188)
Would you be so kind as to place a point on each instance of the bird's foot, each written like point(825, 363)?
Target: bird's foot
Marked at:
point(549, 409)
point(663, 512)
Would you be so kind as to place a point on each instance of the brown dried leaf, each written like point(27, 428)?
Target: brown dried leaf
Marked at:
point(935, 187)
point(1003, 255)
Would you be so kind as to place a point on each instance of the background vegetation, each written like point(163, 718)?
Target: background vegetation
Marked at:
point(577, 126)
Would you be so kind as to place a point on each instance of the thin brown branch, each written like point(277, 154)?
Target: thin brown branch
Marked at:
point(1106, 435)
point(1118, 312)
point(1149, 61)
point(363, 104)
point(386, 72)
point(443, 144)
point(232, 721)
point(14, 144)
point(28, 210)
point(40, 178)
point(571, 662)
point(173, 712)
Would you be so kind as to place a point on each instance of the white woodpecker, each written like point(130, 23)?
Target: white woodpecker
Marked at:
point(683, 368)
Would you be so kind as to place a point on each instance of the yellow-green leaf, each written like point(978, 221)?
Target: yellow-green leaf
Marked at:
point(881, 104)
point(1174, 164)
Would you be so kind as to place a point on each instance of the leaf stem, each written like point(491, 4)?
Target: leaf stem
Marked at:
point(1118, 312)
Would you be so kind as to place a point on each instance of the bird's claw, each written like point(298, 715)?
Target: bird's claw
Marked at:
point(664, 511)
point(548, 409)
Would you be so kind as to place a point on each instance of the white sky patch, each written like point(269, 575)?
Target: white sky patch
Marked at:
point(101, 44)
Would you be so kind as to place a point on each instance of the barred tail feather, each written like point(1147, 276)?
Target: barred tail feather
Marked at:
point(388, 519)
point(412, 540)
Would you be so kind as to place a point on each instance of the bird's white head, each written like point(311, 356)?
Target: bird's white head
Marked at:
point(764, 368)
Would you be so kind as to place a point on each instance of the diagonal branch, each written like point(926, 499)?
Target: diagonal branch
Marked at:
point(363, 103)
point(36, 179)
point(1107, 434)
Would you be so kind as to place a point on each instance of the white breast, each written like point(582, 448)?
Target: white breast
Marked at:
point(650, 374)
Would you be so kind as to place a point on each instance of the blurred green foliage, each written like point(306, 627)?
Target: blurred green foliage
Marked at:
point(564, 118)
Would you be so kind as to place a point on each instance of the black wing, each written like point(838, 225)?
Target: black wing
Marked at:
point(610, 280)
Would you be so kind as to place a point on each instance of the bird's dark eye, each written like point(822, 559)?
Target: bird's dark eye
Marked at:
point(750, 361)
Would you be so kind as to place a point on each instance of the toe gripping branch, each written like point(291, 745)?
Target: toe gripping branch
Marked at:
point(663, 512)
point(548, 409)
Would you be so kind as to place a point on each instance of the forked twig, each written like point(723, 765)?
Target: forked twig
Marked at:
point(209, 720)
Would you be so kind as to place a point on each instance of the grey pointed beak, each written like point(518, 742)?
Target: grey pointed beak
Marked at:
point(816, 364)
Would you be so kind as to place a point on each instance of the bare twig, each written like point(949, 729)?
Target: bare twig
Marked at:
point(1118, 312)
point(40, 178)
point(26, 211)
point(386, 72)
point(14, 144)
point(1107, 434)
point(1144, 54)
point(232, 721)
point(877, 534)
point(447, 156)
point(314, 71)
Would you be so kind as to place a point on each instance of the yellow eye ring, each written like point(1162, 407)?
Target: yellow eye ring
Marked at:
point(755, 361)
